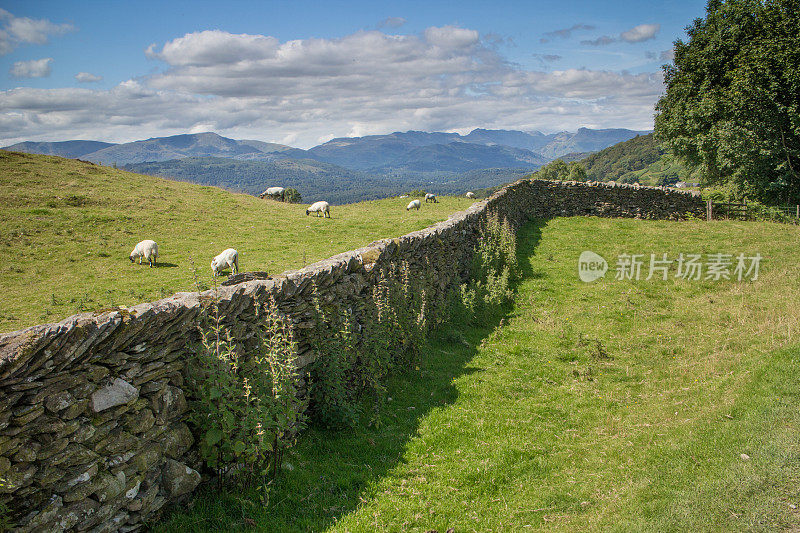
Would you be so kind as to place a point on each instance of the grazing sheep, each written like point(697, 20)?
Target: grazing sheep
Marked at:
point(471, 194)
point(320, 207)
point(227, 259)
point(430, 197)
point(413, 204)
point(272, 191)
point(147, 249)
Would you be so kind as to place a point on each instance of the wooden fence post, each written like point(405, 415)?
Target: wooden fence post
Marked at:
point(709, 210)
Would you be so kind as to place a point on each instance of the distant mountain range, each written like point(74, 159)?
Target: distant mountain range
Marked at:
point(375, 163)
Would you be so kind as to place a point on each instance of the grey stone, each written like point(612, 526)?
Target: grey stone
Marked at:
point(177, 441)
point(74, 454)
point(140, 422)
point(118, 392)
point(27, 452)
point(25, 414)
point(147, 458)
point(179, 479)
point(38, 520)
point(59, 401)
point(78, 512)
point(169, 404)
point(74, 410)
point(77, 476)
point(109, 486)
point(18, 476)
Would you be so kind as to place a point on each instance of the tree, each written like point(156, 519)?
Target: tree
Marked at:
point(576, 171)
point(292, 196)
point(732, 104)
point(554, 170)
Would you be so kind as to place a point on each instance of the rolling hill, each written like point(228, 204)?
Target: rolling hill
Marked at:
point(585, 140)
point(316, 180)
point(68, 227)
point(71, 149)
point(343, 169)
point(641, 159)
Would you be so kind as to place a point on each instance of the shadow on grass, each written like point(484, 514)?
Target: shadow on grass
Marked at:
point(166, 265)
point(329, 472)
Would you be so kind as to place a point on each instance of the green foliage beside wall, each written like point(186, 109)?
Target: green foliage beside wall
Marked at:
point(245, 404)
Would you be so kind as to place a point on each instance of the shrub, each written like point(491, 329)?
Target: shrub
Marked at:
point(245, 405)
point(292, 196)
point(494, 269)
point(349, 365)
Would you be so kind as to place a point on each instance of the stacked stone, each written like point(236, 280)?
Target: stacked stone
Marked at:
point(570, 198)
point(93, 409)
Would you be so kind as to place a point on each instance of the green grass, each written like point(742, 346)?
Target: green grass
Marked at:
point(616, 405)
point(665, 166)
point(67, 228)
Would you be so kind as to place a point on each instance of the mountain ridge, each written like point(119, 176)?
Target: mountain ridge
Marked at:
point(356, 153)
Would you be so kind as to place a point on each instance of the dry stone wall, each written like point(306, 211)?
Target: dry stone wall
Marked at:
point(93, 409)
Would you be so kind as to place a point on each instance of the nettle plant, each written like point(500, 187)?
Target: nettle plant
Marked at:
point(353, 360)
point(494, 269)
point(245, 408)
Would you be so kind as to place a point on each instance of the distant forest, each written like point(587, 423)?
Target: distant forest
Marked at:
point(638, 160)
point(316, 180)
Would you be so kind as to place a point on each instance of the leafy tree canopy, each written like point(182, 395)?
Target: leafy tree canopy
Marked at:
point(732, 104)
point(559, 170)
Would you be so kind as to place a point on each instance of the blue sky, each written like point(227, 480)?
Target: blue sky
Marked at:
point(301, 73)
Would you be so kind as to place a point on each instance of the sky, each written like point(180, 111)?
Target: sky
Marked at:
point(301, 73)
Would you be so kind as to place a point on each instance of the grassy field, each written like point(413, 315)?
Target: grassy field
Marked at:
point(611, 406)
point(67, 228)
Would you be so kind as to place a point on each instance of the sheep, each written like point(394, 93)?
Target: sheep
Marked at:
point(320, 207)
point(227, 259)
point(471, 194)
point(431, 197)
point(272, 191)
point(413, 204)
point(147, 249)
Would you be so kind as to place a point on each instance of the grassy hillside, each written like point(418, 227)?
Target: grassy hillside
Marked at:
point(664, 168)
point(67, 228)
point(616, 161)
point(315, 180)
point(640, 159)
point(610, 406)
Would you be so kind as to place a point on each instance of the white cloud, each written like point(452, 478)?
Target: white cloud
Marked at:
point(15, 31)
point(35, 68)
point(600, 41)
point(87, 77)
point(254, 86)
point(392, 22)
point(640, 33)
point(637, 34)
point(565, 33)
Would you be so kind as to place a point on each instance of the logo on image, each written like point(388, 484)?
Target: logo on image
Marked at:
point(591, 266)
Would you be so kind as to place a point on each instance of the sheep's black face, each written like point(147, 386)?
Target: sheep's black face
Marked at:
point(306, 212)
point(131, 258)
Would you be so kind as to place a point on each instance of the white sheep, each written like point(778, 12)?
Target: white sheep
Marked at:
point(471, 194)
point(430, 197)
point(272, 191)
point(227, 259)
point(147, 249)
point(320, 207)
point(413, 204)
